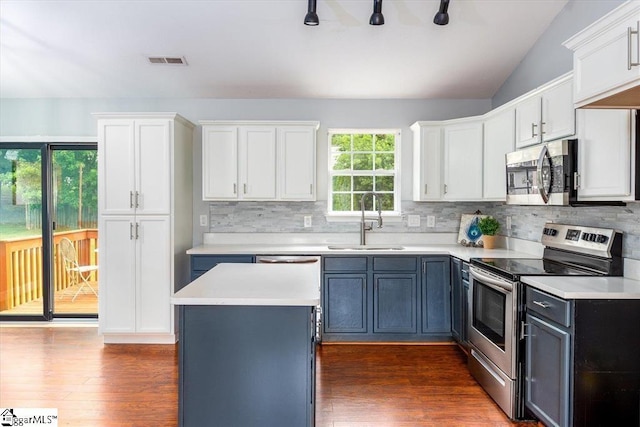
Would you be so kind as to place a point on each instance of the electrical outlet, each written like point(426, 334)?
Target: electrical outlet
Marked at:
point(413, 220)
point(431, 221)
point(203, 220)
point(308, 221)
point(508, 223)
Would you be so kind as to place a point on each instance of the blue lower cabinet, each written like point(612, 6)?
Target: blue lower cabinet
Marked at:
point(345, 303)
point(436, 295)
point(394, 303)
point(200, 264)
point(383, 298)
point(246, 366)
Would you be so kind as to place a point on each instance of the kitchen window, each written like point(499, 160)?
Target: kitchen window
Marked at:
point(361, 161)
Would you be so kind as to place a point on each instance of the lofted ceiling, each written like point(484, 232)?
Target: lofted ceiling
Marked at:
point(261, 49)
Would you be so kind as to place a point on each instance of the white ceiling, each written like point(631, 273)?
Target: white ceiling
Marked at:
point(261, 49)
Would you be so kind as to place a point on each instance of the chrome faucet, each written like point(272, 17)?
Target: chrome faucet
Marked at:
point(363, 227)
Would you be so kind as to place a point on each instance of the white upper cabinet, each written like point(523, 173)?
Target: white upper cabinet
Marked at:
point(547, 115)
point(499, 139)
point(257, 164)
point(137, 154)
point(297, 160)
point(258, 160)
point(606, 60)
point(427, 160)
point(605, 155)
point(219, 162)
point(462, 149)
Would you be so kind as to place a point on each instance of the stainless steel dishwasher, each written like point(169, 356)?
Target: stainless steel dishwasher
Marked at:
point(299, 259)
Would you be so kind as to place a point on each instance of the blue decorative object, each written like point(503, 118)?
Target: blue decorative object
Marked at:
point(470, 234)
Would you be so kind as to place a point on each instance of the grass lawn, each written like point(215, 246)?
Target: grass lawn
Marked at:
point(13, 231)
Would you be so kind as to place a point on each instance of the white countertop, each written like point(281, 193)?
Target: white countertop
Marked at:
point(254, 284)
point(586, 287)
point(458, 251)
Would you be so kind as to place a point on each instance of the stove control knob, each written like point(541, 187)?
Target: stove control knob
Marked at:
point(602, 238)
point(585, 236)
point(593, 237)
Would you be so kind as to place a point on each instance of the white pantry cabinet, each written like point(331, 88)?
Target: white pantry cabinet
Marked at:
point(462, 161)
point(546, 115)
point(143, 237)
point(606, 155)
point(498, 140)
point(263, 160)
point(606, 60)
point(427, 160)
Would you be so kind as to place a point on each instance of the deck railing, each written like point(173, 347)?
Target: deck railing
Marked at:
point(21, 272)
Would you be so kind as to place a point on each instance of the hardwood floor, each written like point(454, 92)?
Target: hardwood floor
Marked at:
point(94, 385)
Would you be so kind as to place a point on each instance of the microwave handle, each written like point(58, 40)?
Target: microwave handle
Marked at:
point(544, 193)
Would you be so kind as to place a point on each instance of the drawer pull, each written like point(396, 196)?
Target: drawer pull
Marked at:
point(542, 304)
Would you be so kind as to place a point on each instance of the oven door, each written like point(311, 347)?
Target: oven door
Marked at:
point(492, 318)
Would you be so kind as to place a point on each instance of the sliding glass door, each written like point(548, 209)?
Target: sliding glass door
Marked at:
point(48, 231)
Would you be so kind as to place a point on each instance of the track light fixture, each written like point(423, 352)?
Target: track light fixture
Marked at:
point(376, 16)
point(442, 17)
point(312, 17)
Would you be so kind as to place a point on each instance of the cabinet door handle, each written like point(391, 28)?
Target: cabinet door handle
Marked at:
point(533, 130)
point(425, 189)
point(137, 199)
point(245, 188)
point(542, 131)
point(445, 189)
point(630, 32)
point(523, 333)
point(137, 230)
point(130, 231)
point(131, 199)
point(235, 188)
point(542, 304)
point(310, 188)
point(576, 180)
point(424, 267)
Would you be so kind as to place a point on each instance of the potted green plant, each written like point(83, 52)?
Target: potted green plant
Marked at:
point(488, 226)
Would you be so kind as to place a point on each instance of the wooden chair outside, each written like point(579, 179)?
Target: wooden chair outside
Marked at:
point(78, 274)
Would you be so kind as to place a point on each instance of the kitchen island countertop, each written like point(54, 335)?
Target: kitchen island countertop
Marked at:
point(254, 284)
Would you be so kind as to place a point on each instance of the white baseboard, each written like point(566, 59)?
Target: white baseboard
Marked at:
point(140, 338)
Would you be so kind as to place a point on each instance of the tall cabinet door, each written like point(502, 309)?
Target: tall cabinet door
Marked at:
point(604, 154)
point(463, 161)
point(499, 139)
point(153, 276)
point(219, 162)
point(258, 162)
point(297, 163)
point(117, 260)
point(116, 167)
point(153, 171)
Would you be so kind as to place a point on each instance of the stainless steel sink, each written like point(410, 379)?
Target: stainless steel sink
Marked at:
point(366, 247)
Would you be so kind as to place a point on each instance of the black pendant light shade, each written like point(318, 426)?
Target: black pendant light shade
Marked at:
point(376, 16)
point(311, 17)
point(442, 17)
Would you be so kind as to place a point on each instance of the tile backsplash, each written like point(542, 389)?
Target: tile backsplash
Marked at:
point(526, 221)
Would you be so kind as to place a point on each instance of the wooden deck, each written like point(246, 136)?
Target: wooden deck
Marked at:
point(97, 385)
point(85, 303)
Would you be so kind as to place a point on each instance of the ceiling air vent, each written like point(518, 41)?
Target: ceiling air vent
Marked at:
point(172, 60)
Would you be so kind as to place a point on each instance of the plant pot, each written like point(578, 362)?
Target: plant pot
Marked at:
point(489, 242)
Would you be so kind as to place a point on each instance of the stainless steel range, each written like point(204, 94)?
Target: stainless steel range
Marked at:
point(496, 306)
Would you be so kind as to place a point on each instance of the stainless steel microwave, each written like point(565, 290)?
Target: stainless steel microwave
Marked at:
point(543, 174)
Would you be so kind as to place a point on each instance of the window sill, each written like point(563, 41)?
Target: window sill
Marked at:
point(391, 217)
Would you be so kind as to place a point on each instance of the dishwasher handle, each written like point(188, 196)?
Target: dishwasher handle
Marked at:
point(286, 260)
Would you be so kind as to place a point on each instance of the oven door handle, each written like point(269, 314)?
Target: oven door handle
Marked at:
point(497, 284)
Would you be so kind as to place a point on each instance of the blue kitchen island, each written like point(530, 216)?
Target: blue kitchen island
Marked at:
point(246, 346)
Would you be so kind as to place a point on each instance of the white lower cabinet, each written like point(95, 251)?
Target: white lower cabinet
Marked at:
point(135, 290)
point(462, 174)
point(605, 155)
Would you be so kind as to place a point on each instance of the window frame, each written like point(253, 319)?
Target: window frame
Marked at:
point(356, 214)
